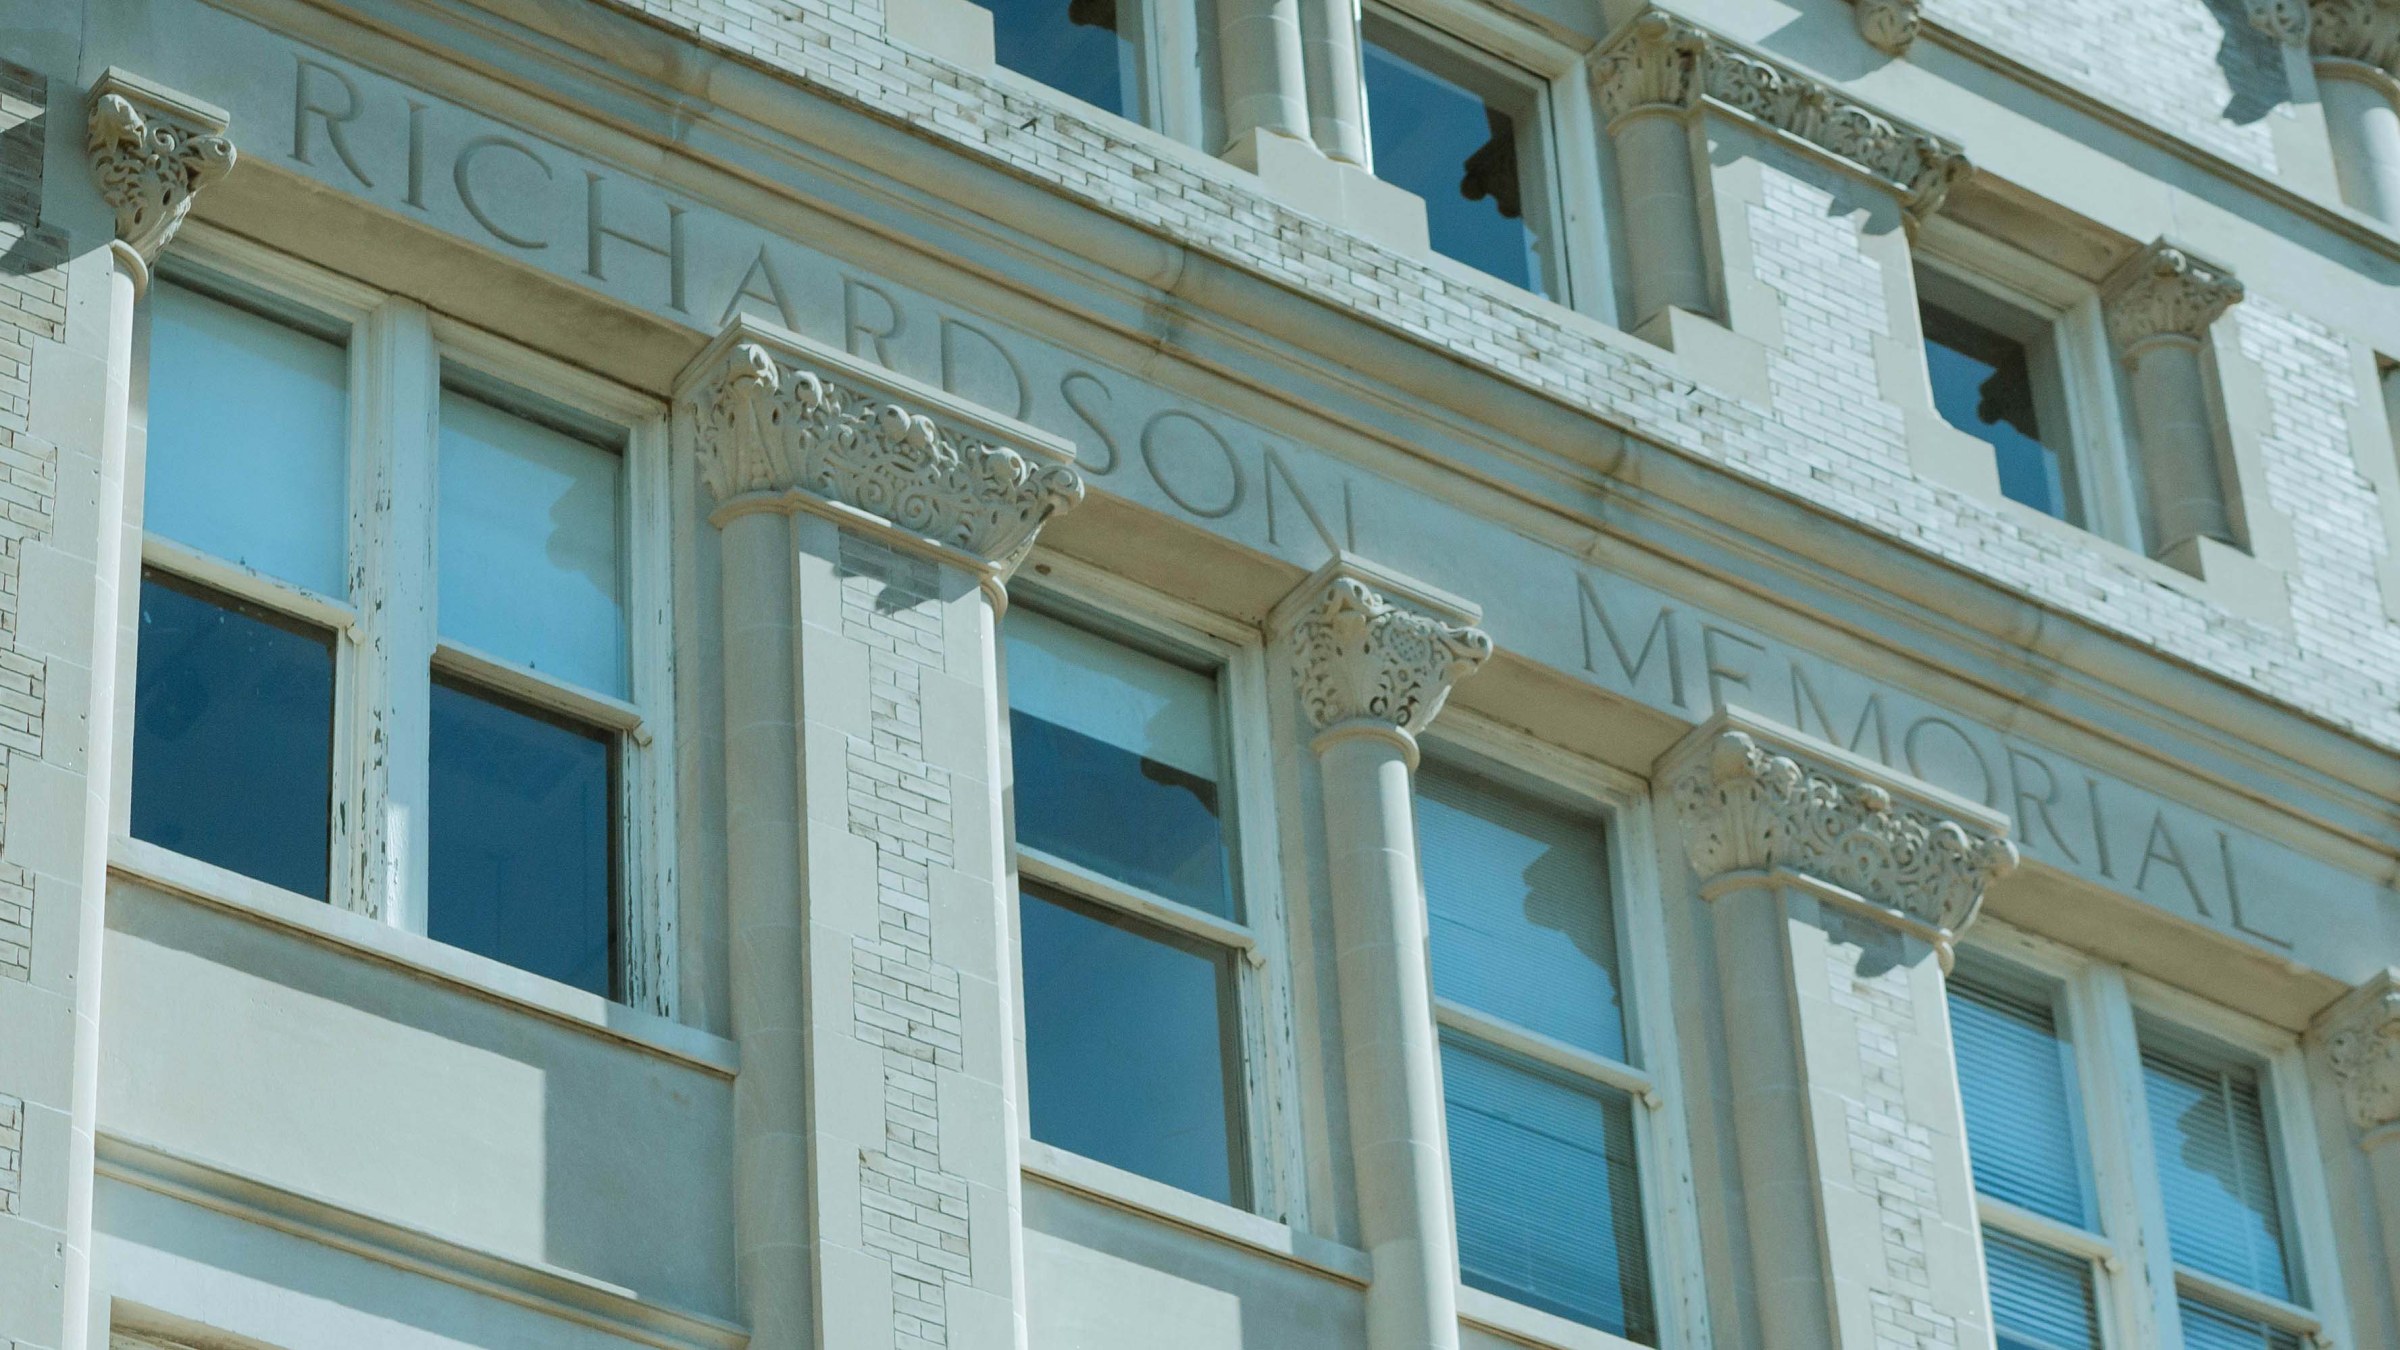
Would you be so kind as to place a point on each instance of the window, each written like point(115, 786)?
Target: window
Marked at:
point(1148, 61)
point(2063, 1062)
point(385, 655)
point(1471, 135)
point(1145, 959)
point(1546, 1116)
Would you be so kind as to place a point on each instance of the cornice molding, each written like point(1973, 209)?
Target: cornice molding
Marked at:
point(153, 150)
point(778, 417)
point(2361, 1035)
point(1889, 26)
point(1360, 657)
point(2365, 31)
point(1756, 800)
point(2166, 292)
point(1660, 61)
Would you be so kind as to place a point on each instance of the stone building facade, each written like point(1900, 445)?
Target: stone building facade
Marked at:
point(1421, 675)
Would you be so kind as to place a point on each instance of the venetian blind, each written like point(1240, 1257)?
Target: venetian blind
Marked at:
point(2041, 1299)
point(2216, 1171)
point(2016, 1076)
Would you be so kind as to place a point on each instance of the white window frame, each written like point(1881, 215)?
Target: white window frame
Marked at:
point(1177, 58)
point(384, 664)
point(2137, 1283)
point(1142, 620)
point(2097, 431)
point(1662, 1143)
point(1575, 193)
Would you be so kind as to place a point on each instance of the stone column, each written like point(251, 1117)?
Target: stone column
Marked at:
point(2356, 48)
point(152, 150)
point(2160, 304)
point(1836, 891)
point(1372, 674)
point(867, 524)
point(2361, 1036)
point(1337, 90)
point(1648, 80)
point(1264, 89)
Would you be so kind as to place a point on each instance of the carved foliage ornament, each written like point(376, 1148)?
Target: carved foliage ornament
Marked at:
point(1360, 656)
point(765, 427)
point(1662, 61)
point(2364, 1045)
point(1890, 26)
point(150, 163)
point(2366, 31)
point(1745, 809)
point(2166, 292)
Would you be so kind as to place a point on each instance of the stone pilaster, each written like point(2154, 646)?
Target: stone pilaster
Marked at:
point(2355, 47)
point(1837, 890)
point(1372, 674)
point(2159, 306)
point(867, 526)
point(2361, 1038)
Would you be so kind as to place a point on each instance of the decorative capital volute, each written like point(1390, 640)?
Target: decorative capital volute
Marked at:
point(1889, 26)
point(152, 151)
point(1361, 656)
point(1757, 801)
point(2365, 31)
point(784, 422)
point(2361, 1035)
point(1657, 61)
point(2166, 292)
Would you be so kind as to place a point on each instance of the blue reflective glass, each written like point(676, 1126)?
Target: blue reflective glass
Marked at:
point(1460, 151)
point(1081, 47)
point(233, 737)
point(1983, 384)
point(2041, 1300)
point(1129, 1047)
point(1546, 1189)
point(2216, 1172)
point(520, 838)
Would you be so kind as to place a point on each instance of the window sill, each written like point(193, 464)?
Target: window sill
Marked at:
point(1532, 1326)
point(1208, 1218)
point(151, 865)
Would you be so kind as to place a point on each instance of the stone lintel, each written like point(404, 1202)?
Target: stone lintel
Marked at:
point(1372, 646)
point(782, 420)
point(1758, 800)
point(1659, 60)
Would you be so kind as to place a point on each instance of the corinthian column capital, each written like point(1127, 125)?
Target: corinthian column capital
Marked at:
point(1656, 61)
point(1361, 658)
point(2166, 292)
point(2361, 1034)
point(2365, 31)
point(781, 422)
point(152, 151)
point(1758, 801)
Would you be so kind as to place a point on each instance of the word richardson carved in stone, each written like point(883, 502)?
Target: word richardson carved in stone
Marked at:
point(1751, 809)
point(152, 153)
point(2167, 292)
point(1362, 657)
point(1659, 60)
point(780, 416)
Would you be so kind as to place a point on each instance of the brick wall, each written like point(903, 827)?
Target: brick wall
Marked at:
point(33, 305)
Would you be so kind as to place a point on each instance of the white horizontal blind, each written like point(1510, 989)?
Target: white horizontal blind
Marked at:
point(2207, 1328)
point(2216, 1171)
point(2016, 1076)
point(2041, 1299)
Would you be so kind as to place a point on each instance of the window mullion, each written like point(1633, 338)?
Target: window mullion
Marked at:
point(2132, 1210)
point(392, 547)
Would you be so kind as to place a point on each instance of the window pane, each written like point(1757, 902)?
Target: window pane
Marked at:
point(249, 439)
point(1523, 926)
point(1129, 1048)
point(2041, 1300)
point(529, 544)
point(1547, 1193)
point(233, 737)
point(2017, 1076)
point(2208, 1128)
point(2206, 1328)
point(1983, 384)
point(1118, 761)
point(520, 839)
point(1088, 48)
point(1464, 139)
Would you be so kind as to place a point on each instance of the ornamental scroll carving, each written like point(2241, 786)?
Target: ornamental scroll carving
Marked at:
point(1658, 60)
point(2166, 292)
point(766, 425)
point(152, 153)
point(2362, 1039)
point(1746, 808)
point(2365, 31)
point(1362, 657)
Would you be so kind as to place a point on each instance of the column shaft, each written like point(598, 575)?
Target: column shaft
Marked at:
point(1337, 94)
point(2182, 477)
point(2383, 1164)
point(1391, 1051)
point(1664, 254)
point(2363, 123)
point(1264, 88)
